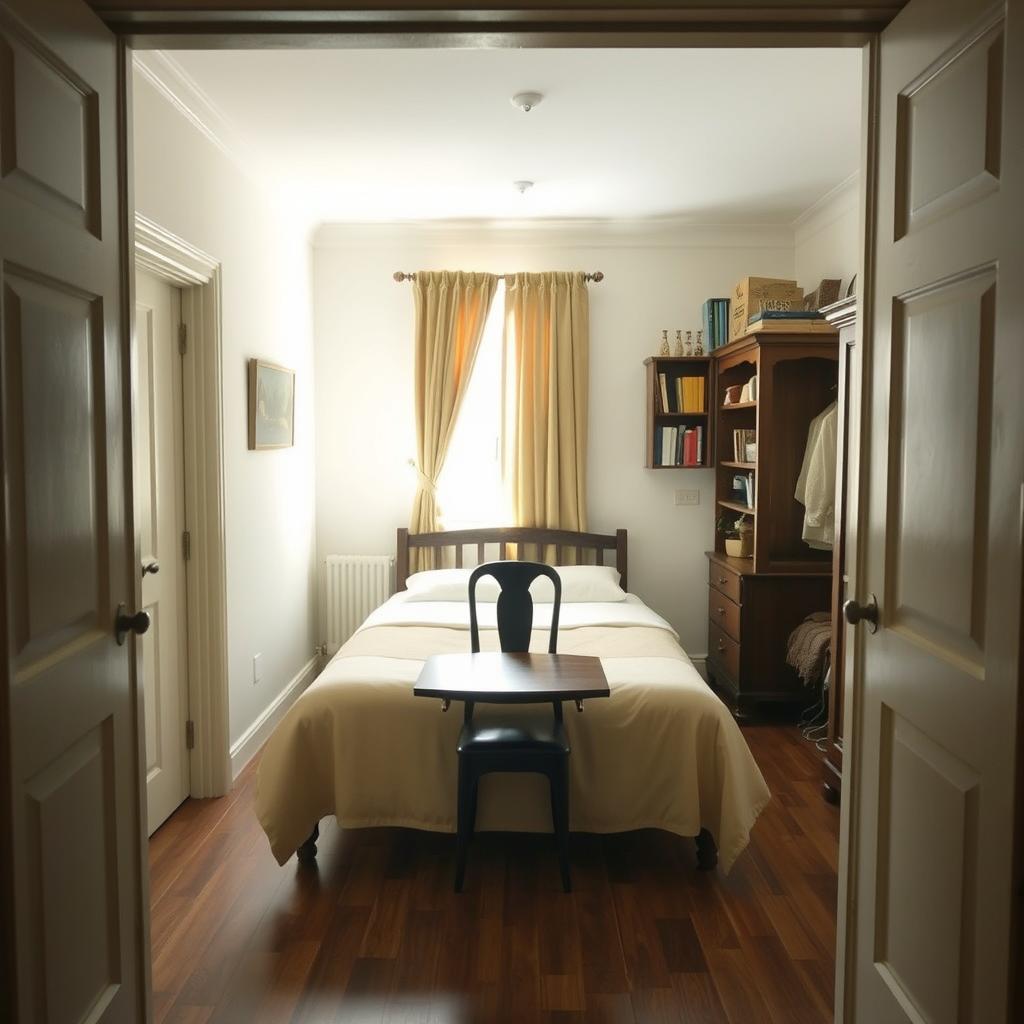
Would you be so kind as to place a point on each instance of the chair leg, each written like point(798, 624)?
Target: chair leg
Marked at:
point(559, 781)
point(307, 851)
point(707, 851)
point(466, 818)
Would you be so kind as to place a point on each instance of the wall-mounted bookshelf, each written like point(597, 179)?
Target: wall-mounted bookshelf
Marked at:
point(678, 420)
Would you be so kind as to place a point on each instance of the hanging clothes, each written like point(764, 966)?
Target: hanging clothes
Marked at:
point(816, 485)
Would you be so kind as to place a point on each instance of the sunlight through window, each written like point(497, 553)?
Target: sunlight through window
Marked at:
point(470, 491)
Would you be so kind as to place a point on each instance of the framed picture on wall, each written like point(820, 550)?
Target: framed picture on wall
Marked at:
point(271, 405)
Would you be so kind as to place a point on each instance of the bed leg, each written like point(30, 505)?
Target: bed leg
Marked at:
point(307, 851)
point(707, 852)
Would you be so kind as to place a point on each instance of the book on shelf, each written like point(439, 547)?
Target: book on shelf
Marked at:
point(740, 439)
point(715, 315)
point(785, 314)
point(790, 325)
point(663, 392)
point(743, 489)
point(690, 394)
point(679, 446)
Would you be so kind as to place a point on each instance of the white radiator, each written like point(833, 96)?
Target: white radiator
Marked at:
point(354, 586)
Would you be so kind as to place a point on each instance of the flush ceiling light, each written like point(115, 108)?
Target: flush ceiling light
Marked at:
point(522, 187)
point(526, 101)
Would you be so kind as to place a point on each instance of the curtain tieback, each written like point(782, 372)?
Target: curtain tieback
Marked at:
point(427, 485)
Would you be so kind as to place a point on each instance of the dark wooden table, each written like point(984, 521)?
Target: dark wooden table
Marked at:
point(500, 678)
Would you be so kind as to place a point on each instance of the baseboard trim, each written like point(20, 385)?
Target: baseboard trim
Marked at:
point(245, 749)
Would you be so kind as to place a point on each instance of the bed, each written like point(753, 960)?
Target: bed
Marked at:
point(663, 752)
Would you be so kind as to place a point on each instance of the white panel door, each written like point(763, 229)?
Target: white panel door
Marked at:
point(73, 919)
point(160, 503)
point(935, 733)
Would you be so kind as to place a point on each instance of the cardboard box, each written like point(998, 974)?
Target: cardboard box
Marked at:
point(756, 294)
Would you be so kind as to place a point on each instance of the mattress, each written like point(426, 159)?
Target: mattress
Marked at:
point(661, 752)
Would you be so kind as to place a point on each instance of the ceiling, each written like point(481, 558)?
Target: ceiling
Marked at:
point(709, 136)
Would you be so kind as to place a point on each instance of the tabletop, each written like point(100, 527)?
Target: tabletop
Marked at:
point(507, 678)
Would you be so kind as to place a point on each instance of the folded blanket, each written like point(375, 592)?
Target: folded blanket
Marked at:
point(809, 647)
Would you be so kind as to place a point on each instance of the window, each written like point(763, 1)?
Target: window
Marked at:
point(470, 491)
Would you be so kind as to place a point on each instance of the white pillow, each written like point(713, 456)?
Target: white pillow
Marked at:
point(580, 584)
point(449, 585)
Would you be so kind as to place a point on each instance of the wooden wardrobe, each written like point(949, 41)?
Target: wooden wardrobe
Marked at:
point(755, 603)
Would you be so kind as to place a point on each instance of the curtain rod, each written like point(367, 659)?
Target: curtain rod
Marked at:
point(400, 276)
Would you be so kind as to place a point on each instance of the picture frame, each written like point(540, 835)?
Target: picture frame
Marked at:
point(271, 406)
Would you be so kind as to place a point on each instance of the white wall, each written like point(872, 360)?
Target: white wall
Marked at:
point(189, 186)
point(827, 238)
point(656, 277)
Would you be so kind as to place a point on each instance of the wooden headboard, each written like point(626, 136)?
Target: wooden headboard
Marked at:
point(529, 541)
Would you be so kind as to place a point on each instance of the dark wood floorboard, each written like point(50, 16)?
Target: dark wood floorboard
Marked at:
point(374, 932)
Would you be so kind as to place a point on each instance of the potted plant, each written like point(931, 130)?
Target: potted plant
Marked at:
point(738, 532)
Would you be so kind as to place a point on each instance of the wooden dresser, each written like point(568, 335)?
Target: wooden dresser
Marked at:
point(750, 617)
point(755, 603)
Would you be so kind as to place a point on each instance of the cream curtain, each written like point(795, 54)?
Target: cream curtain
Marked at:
point(451, 309)
point(547, 342)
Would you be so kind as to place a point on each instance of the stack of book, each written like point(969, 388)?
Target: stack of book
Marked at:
point(716, 322)
point(681, 394)
point(679, 446)
point(789, 321)
point(744, 443)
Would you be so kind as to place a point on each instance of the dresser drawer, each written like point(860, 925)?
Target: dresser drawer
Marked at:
point(724, 613)
point(724, 650)
point(725, 580)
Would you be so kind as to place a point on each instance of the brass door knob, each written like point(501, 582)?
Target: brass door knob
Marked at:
point(125, 624)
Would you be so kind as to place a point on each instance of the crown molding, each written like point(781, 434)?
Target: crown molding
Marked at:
point(661, 233)
point(182, 91)
point(835, 203)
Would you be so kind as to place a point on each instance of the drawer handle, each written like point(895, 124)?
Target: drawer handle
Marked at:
point(721, 647)
point(721, 611)
point(721, 579)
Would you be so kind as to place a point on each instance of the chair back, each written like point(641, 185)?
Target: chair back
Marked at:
point(515, 604)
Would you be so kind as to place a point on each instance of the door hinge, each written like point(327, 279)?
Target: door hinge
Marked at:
point(190, 734)
point(186, 545)
point(182, 338)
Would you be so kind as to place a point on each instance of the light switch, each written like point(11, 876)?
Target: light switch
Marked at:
point(687, 497)
point(257, 669)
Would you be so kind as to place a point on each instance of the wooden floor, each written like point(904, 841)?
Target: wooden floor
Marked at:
point(375, 933)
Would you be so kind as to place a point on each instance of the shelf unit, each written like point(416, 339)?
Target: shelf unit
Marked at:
point(755, 603)
point(675, 367)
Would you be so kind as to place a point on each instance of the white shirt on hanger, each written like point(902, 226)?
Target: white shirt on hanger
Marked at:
point(816, 485)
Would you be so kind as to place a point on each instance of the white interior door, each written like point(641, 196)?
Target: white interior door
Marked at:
point(160, 495)
point(74, 921)
point(931, 825)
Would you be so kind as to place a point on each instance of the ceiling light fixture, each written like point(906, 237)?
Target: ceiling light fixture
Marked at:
point(526, 101)
point(523, 186)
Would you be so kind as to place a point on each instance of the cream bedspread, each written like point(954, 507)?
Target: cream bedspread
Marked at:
point(661, 752)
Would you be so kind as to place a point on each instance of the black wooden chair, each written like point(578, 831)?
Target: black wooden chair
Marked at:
point(516, 743)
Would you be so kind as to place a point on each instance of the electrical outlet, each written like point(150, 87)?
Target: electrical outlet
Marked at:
point(688, 497)
point(257, 668)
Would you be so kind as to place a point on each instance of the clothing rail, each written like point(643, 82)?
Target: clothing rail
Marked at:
point(399, 275)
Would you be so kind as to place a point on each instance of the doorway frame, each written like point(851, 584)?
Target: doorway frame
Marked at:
point(198, 276)
point(154, 24)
